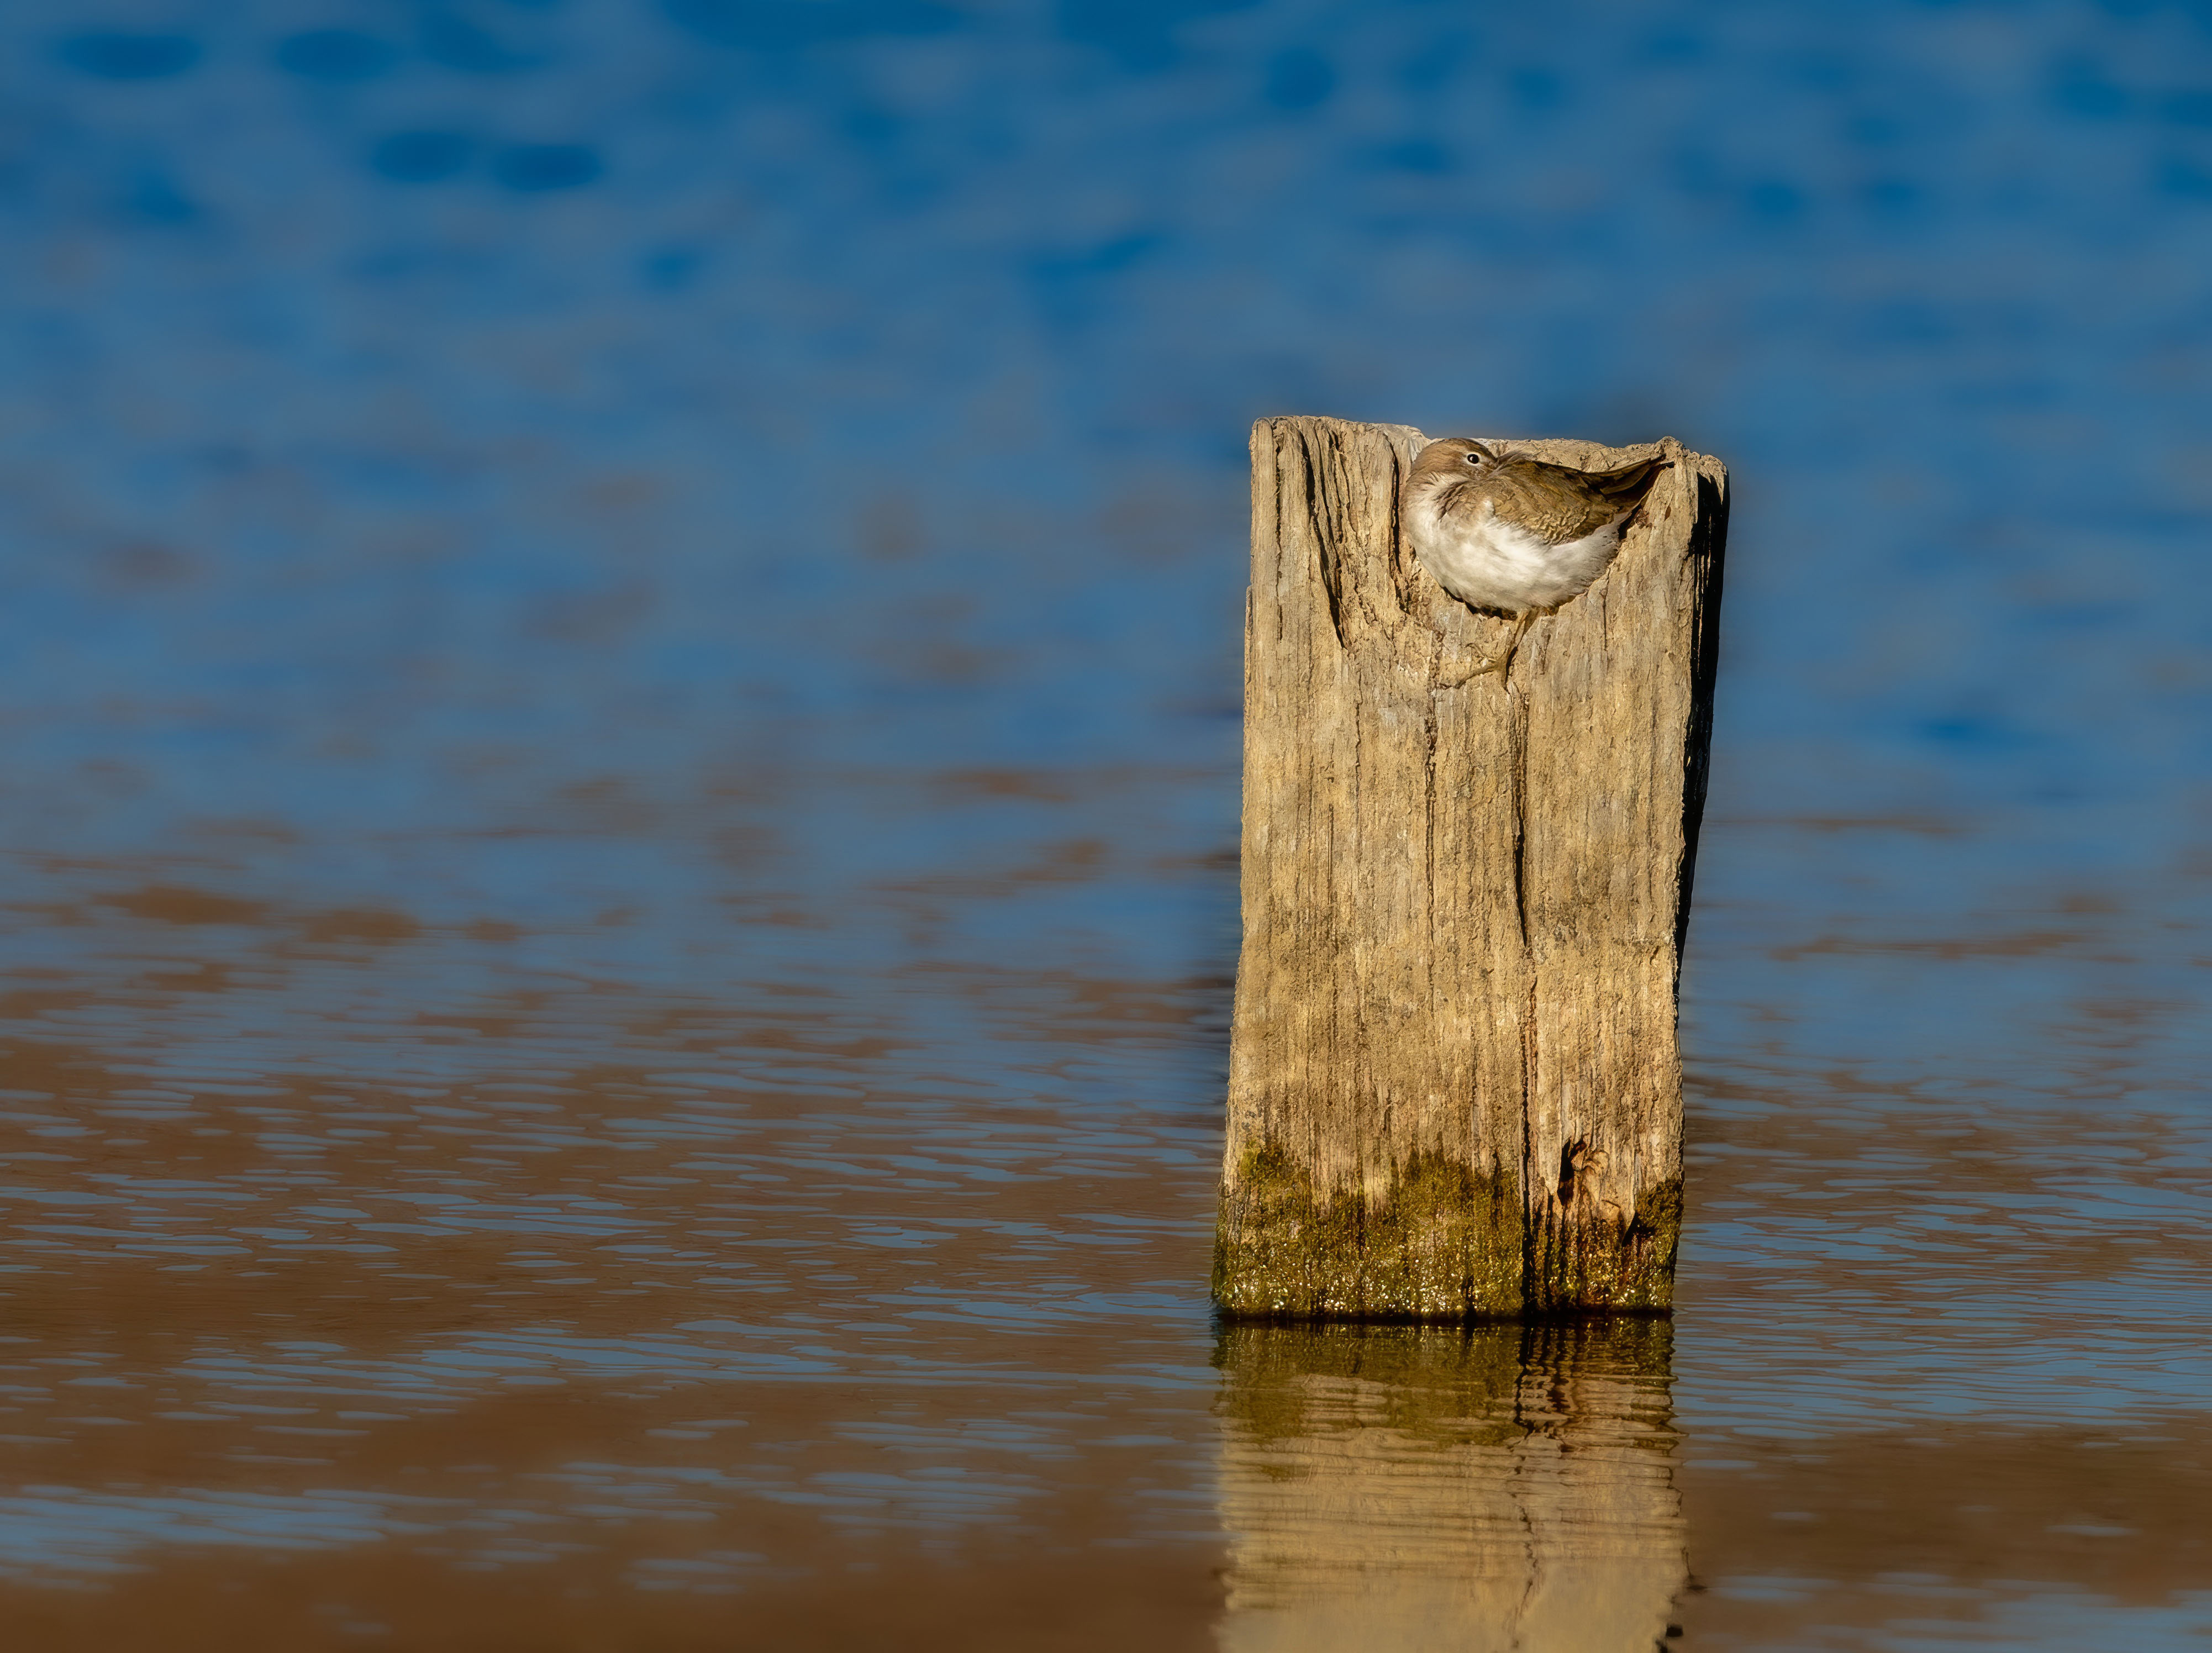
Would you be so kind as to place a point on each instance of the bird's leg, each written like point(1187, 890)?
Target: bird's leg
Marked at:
point(1513, 643)
point(1503, 663)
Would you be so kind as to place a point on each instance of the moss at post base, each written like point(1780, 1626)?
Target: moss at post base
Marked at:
point(1442, 1242)
point(1581, 1258)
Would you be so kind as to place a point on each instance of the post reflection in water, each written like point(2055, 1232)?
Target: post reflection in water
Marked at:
point(1403, 1488)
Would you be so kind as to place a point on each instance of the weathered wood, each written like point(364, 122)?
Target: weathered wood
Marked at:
point(1454, 1088)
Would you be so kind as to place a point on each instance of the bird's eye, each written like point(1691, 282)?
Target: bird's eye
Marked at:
point(1472, 457)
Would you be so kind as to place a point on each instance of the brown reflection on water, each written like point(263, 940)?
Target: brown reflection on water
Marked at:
point(1406, 1488)
point(1965, 1534)
point(703, 1269)
point(589, 1316)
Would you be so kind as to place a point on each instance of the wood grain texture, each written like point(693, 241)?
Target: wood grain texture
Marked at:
point(1455, 1087)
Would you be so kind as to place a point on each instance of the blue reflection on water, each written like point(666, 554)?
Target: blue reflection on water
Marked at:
point(881, 401)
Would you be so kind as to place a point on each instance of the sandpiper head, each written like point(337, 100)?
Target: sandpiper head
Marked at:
point(1454, 455)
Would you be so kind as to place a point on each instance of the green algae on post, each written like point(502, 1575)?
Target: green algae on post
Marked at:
point(1437, 1243)
point(1454, 1085)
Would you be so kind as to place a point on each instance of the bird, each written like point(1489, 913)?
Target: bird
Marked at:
point(1503, 532)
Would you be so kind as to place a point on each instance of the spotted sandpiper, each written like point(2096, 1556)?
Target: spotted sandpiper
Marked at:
point(1506, 532)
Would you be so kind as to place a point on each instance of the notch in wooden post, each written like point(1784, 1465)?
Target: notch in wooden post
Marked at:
point(1455, 1087)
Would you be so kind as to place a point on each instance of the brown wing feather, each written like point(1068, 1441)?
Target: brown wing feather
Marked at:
point(1630, 482)
point(1562, 504)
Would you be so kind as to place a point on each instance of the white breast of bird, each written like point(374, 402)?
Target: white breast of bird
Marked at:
point(1481, 559)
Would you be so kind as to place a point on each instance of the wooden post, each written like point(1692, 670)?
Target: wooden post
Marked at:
point(1455, 1090)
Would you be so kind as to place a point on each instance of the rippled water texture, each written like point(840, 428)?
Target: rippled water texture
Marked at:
point(621, 732)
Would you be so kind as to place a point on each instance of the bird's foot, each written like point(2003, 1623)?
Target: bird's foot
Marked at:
point(1479, 669)
point(1513, 644)
point(1500, 664)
